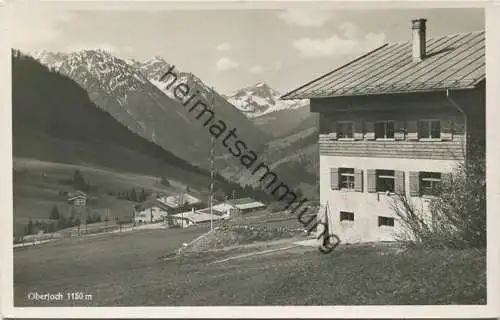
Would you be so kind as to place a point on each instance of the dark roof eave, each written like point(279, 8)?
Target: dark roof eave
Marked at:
point(384, 93)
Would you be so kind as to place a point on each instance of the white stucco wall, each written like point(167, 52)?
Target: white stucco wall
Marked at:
point(367, 207)
point(153, 214)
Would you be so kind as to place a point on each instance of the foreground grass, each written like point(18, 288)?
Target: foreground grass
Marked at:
point(124, 270)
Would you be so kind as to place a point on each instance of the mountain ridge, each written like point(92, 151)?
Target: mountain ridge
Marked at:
point(131, 91)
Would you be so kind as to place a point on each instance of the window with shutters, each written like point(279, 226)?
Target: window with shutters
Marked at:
point(430, 183)
point(345, 130)
point(429, 129)
point(385, 180)
point(385, 221)
point(346, 178)
point(384, 129)
point(346, 216)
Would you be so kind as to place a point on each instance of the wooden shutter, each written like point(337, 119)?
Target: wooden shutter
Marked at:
point(447, 130)
point(414, 184)
point(412, 128)
point(358, 180)
point(334, 178)
point(399, 130)
point(399, 182)
point(357, 130)
point(369, 131)
point(371, 175)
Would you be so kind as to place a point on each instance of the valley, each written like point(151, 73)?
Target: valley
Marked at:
point(283, 132)
point(104, 127)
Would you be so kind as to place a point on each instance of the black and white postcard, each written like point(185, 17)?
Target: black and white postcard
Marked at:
point(302, 159)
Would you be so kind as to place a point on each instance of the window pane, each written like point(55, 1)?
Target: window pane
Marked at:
point(340, 129)
point(385, 221)
point(385, 184)
point(379, 130)
point(426, 185)
point(346, 216)
point(343, 182)
point(348, 130)
point(385, 180)
point(431, 182)
point(346, 178)
point(390, 129)
point(423, 129)
point(350, 182)
point(430, 175)
point(435, 129)
point(346, 170)
point(345, 130)
point(385, 173)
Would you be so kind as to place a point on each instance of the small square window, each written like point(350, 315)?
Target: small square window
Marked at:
point(346, 216)
point(345, 130)
point(385, 180)
point(429, 129)
point(385, 221)
point(346, 176)
point(430, 183)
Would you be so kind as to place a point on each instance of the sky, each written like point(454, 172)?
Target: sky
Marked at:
point(284, 46)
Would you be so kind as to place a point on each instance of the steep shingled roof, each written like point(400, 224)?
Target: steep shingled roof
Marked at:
point(454, 61)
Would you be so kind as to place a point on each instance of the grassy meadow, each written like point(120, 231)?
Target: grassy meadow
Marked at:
point(39, 185)
point(125, 269)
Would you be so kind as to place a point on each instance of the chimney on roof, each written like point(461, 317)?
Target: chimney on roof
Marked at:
point(418, 27)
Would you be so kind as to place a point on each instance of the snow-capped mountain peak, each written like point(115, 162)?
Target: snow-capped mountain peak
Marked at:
point(260, 99)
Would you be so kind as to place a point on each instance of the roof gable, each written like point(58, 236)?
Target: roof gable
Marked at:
point(77, 194)
point(454, 61)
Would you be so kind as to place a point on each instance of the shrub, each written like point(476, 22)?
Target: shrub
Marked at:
point(457, 213)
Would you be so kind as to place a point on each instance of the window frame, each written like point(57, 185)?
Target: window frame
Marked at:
point(349, 213)
point(340, 132)
point(429, 133)
point(381, 175)
point(385, 122)
point(385, 218)
point(422, 178)
point(346, 172)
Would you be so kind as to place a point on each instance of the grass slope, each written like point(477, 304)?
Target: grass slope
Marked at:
point(124, 270)
point(39, 186)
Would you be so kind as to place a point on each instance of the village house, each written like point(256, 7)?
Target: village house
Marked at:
point(246, 205)
point(77, 198)
point(194, 217)
point(179, 200)
point(226, 207)
point(151, 211)
point(396, 120)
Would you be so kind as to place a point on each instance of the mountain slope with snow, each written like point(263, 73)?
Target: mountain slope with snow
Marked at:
point(260, 99)
point(132, 93)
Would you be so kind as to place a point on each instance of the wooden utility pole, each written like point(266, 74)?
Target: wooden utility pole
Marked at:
point(211, 160)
